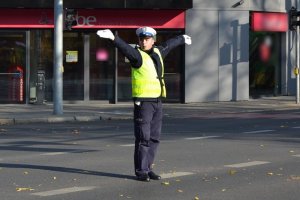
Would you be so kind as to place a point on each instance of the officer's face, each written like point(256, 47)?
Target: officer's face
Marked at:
point(146, 43)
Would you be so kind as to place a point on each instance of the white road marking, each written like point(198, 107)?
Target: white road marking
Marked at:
point(127, 145)
point(191, 138)
point(62, 191)
point(201, 138)
point(297, 155)
point(247, 164)
point(296, 127)
point(53, 153)
point(175, 174)
point(259, 131)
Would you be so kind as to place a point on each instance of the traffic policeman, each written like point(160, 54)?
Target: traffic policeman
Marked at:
point(148, 88)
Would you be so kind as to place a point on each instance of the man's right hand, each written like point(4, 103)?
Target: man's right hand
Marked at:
point(106, 34)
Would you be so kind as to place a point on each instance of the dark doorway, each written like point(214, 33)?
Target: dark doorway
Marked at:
point(264, 64)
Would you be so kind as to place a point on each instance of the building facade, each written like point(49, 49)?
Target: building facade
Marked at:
point(230, 59)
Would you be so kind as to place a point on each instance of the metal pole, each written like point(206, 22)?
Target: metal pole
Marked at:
point(297, 67)
point(58, 58)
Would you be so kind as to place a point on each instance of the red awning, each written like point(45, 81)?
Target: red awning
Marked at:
point(272, 22)
point(94, 18)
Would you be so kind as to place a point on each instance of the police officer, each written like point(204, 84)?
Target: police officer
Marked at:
point(148, 88)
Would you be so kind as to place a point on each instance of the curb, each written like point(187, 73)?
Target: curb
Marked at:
point(51, 119)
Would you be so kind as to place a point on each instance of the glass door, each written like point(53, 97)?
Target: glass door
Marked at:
point(73, 76)
point(12, 67)
point(264, 64)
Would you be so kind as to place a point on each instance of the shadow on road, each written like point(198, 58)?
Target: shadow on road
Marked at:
point(66, 170)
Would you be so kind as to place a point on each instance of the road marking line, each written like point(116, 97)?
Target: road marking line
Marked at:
point(201, 138)
point(175, 174)
point(296, 127)
point(127, 145)
point(53, 153)
point(259, 131)
point(247, 164)
point(297, 155)
point(62, 191)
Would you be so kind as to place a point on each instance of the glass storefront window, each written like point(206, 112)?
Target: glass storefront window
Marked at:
point(174, 66)
point(41, 58)
point(12, 67)
point(102, 67)
point(73, 76)
point(90, 65)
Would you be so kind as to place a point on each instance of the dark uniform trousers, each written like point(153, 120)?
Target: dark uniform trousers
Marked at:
point(147, 130)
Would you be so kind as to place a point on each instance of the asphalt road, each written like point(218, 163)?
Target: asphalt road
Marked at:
point(229, 156)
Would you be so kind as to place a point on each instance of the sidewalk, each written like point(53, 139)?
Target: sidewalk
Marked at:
point(17, 114)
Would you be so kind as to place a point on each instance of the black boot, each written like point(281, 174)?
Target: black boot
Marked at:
point(143, 177)
point(153, 176)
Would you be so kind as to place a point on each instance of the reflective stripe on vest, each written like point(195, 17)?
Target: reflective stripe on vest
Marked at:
point(145, 82)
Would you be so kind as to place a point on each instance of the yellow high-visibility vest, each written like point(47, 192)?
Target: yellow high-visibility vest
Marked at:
point(145, 81)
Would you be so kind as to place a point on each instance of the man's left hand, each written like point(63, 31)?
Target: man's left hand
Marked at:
point(187, 39)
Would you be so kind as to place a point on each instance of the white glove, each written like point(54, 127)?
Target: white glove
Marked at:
point(106, 34)
point(187, 39)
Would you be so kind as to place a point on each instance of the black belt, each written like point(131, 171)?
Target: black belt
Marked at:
point(147, 99)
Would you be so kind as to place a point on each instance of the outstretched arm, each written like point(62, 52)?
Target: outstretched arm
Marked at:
point(128, 51)
point(172, 43)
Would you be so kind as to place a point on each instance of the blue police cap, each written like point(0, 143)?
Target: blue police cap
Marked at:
point(145, 32)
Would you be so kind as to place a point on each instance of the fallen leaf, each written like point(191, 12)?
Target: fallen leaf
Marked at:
point(180, 191)
point(196, 198)
point(54, 178)
point(19, 189)
point(232, 172)
point(165, 183)
point(75, 131)
point(26, 173)
point(270, 173)
point(223, 190)
point(295, 178)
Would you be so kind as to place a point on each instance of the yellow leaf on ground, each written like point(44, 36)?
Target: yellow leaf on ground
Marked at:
point(165, 183)
point(23, 189)
point(232, 172)
point(180, 191)
point(295, 178)
point(196, 198)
